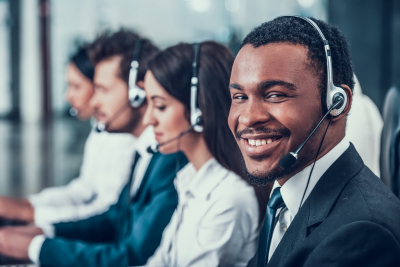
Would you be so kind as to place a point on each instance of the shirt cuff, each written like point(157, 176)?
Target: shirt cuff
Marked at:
point(35, 247)
point(48, 230)
point(33, 199)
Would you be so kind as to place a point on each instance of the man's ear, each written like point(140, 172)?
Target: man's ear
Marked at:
point(346, 110)
point(140, 84)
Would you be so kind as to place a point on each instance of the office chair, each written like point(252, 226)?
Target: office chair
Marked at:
point(390, 141)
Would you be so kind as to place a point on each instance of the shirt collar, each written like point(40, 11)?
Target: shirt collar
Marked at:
point(201, 183)
point(145, 140)
point(292, 191)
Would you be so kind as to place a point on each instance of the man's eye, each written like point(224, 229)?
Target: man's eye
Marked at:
point(275, 97)
point(239, 97)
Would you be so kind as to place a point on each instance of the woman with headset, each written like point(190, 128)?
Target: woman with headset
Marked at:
point(216, 221)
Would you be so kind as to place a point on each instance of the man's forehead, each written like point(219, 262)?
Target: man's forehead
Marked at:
point(271, 53)
point(278, 61)
point(110, 65)
point(107, 70)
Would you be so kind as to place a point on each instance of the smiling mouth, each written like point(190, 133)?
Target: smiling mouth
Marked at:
point(262, 142)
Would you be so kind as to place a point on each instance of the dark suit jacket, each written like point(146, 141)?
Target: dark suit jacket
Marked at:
point(349, 219)
point(97, 241)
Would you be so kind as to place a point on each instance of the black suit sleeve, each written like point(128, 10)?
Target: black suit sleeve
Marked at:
point(362, 243)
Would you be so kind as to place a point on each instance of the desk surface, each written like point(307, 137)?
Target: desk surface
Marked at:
point(6, 261)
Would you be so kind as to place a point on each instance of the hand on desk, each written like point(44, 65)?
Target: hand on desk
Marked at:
point(16, 209)
point(15, 241)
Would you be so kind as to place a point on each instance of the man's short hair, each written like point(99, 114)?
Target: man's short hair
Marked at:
point(122, 43)
point(292, 30)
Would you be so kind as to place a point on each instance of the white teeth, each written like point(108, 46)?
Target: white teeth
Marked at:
point(259, 142)
point(263, 142)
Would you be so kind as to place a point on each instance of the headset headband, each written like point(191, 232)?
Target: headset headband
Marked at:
point(136, 94)
point(331, 88)
point(195, 112)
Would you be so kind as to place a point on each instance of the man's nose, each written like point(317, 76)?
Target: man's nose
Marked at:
point(68, 95)
point(254, 112)
point(94, 102)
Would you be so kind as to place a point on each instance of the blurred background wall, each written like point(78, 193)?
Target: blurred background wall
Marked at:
point(40, 145)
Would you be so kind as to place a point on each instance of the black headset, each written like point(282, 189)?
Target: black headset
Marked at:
point(195, 112)
point(332, 90)
point(136, 94)
point(336, 99)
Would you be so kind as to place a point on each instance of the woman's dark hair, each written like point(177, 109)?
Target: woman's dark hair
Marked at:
point(172, 68)
point(82, 62)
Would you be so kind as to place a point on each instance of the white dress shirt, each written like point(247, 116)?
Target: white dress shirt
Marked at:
point(142, 143)
point(292, 191)
point(93, 192)
point(215, 223)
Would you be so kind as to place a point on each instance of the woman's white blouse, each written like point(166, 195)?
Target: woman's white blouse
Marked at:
point(215, 223)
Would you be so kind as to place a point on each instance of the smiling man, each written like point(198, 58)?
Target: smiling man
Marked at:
point(326, 208)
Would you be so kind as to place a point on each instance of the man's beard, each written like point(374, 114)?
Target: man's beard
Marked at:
point(131, 124)
point(265, 178)
point(275, 174)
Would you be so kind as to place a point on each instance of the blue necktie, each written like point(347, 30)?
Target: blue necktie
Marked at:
point(274, 203)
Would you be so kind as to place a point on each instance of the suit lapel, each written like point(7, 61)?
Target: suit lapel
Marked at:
point(319, 204)
point(296, 233)
point(331, 184)
point(146, 176)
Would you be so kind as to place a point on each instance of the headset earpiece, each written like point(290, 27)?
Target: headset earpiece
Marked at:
point(334, 94)
point(136, 94)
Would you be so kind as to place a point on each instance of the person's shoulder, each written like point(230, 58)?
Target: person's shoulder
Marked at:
point(359, 243)
point(370, 199)
point(165, 166)
point(374, 192)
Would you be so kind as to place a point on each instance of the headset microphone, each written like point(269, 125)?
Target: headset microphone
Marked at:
point(73, 112)
point(289, 159)
point(154, 148)
point(102, 126)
